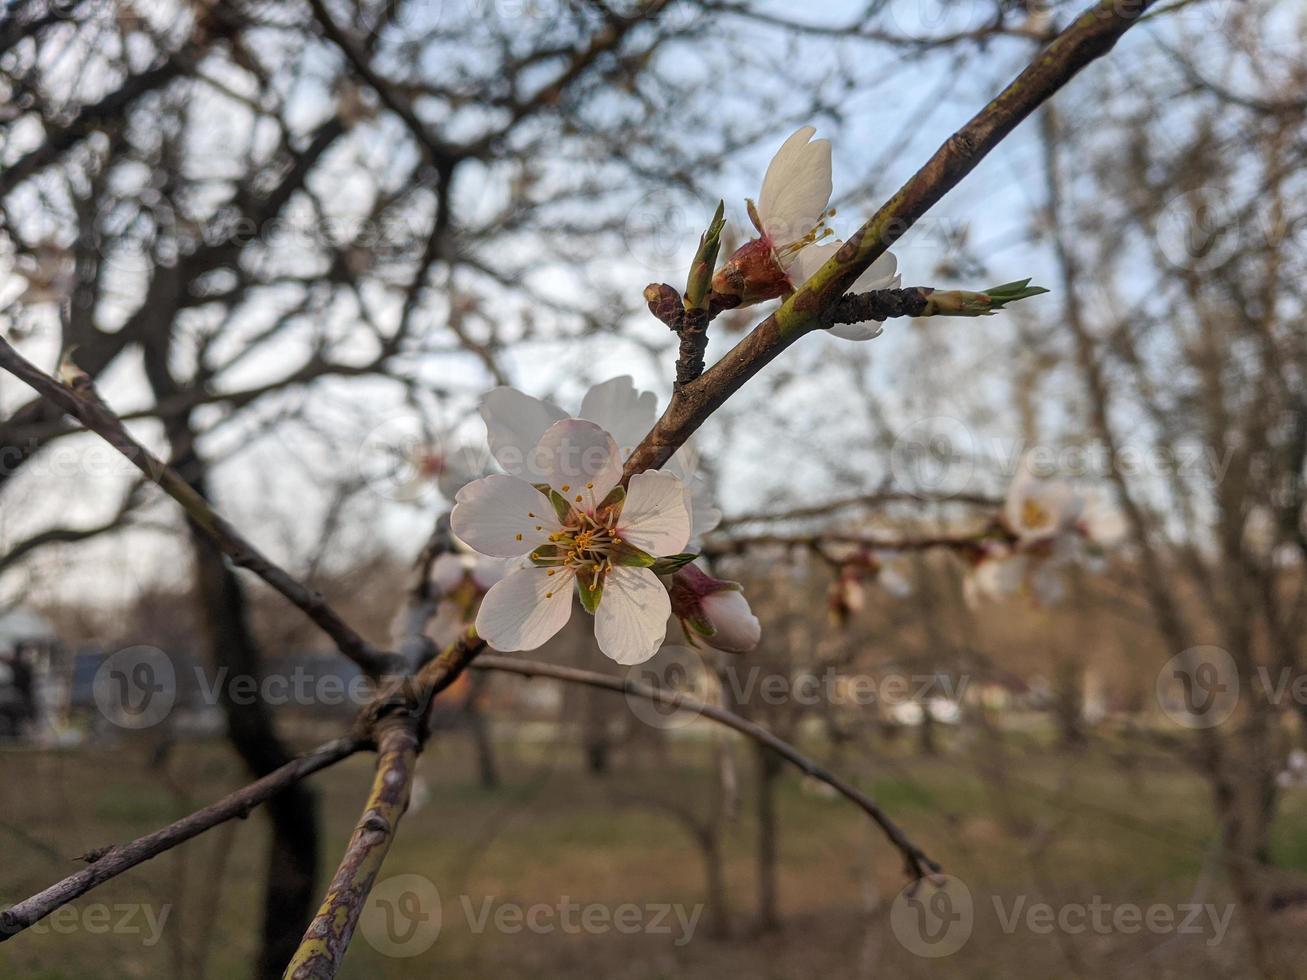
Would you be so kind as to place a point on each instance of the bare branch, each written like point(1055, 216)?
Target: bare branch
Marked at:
point(328, 935)
point(916, 862)
point(112, 861)
point(81, 400)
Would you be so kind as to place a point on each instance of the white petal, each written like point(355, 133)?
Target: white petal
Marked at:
point(738, 629)
point(502, 516)
point(807, 261)
point(797, 187)
point(656, 515)
point(625, 413)
point(526, 609)
point(514, 424)
point(578, 459)
point(704, 516)
point(882, 274)
point(487, 572)
point(867, 330)
point(631, 620)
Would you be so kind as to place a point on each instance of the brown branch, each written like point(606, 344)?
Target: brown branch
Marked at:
point(110, 862)
point(328, 935)
point(916, 862)
point(860, 500)
point(80, 399)
point(1089, 37)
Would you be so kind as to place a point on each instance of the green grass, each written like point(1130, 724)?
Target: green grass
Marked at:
point(1020, 820)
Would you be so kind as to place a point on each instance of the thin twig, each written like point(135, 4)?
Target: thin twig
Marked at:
point(107, 863)
point(916, 862)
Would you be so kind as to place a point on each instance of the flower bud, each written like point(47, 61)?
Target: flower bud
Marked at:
point(715, 610)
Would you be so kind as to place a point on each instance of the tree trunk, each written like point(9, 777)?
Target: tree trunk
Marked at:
point(290, 891)
point(768, 770)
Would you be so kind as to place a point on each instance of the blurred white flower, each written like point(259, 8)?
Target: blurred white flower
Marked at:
point(579, 530)
point(51, 274)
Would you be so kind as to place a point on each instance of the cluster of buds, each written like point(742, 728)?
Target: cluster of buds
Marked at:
point(848, 592)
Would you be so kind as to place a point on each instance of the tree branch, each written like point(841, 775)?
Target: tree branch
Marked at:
point(113, 861)
point(1089, 37)
point(80, 399)
point(328, 935)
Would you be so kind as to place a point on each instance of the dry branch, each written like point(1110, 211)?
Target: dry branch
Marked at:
point(112, 861)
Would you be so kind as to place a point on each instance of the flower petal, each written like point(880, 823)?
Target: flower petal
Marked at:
point(631, 621)
point(738, 629)
point(797, 187)
point(526, 609)
point(624, 412)
point(881, 274)
point(502, 516)
point(514, 424)
point(656, 515)
point(578, 459)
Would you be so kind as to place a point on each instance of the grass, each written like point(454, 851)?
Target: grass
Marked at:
point(1020, 824)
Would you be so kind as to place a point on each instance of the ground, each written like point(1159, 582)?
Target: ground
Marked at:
point(533, 877)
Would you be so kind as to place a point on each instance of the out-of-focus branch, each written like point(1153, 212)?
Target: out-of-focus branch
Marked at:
point(79, 398)
point(328, 935)
point(1089, 37)
point(879, 499)
point(916, 862)
point(107, 863)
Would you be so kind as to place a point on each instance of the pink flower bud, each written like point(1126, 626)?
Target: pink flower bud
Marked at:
point(715, 610)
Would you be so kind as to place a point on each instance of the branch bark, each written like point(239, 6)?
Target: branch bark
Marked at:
point(1086, 39)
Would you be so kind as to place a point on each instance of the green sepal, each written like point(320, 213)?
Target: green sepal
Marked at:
point(546, 554)
point(590, 596)
point(561, 507)
point(629, 556)
point(669, 564)
point(705, 261)
point(616, 497)
point(700, 625)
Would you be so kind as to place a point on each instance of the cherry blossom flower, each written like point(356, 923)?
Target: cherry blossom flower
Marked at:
point(790, 217)
point(1051, 526)
point(714, 610)
point(515, 422)
point(578, 529)
point(460, 580)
